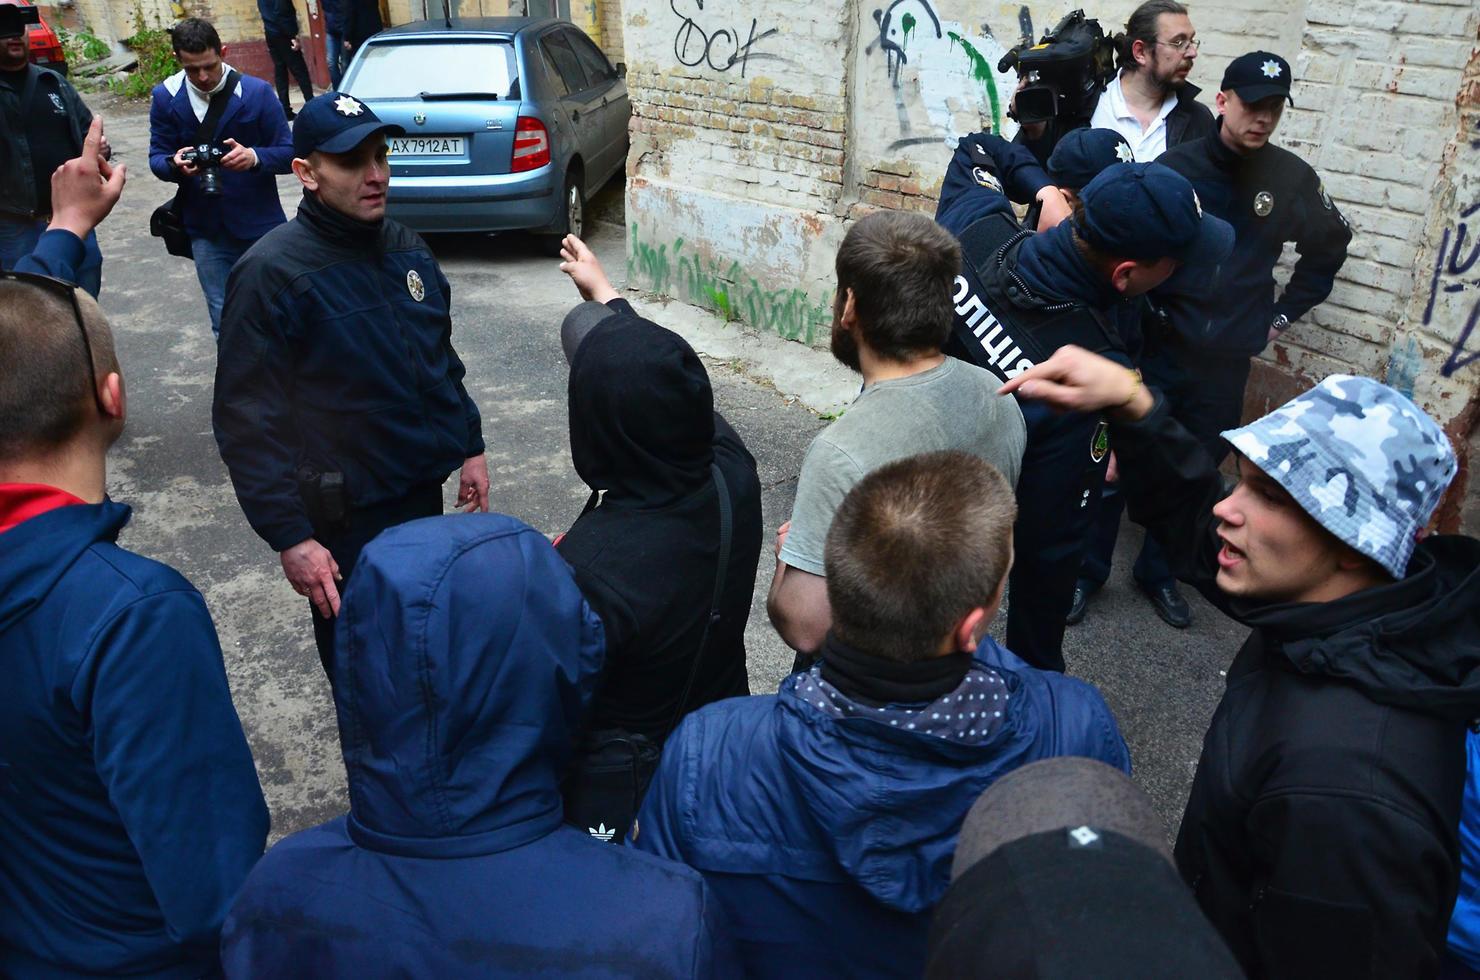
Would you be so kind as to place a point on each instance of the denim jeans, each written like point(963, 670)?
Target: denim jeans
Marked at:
point(18, 238)
point(334, 54)
point(214, 257)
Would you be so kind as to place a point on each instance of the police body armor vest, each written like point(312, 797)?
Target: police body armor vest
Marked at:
point(994, 331)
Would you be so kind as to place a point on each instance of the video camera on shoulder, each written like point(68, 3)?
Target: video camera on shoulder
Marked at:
point(1064, 72)
point(207, 156)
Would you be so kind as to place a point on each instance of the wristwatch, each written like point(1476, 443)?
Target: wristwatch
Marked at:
point(1280, 323)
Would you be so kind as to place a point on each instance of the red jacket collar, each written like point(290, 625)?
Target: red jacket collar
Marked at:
point(22, 501)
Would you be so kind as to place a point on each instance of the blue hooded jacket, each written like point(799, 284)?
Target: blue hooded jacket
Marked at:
point(130, 810)
point(465, 662)
point(828, 840)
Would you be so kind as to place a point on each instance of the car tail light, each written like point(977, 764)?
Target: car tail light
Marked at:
point(531, 145)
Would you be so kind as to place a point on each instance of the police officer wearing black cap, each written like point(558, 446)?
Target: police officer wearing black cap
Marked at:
point(1020, 296)
point(1199, 355)
point(340, 407)
point(43, 122)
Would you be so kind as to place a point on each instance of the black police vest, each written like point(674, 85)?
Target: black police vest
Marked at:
point(992, 331)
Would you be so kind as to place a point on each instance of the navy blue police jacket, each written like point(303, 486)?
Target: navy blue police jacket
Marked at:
point(453, 860)
point(336, 356)
point(827, 839)
point(248, 206)
point(129, 807)
point(1048, 278)
point(279, 19)
point(1269, 197)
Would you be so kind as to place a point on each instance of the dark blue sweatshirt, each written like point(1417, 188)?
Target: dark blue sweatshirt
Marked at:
point(466, 660)
point(130, 811)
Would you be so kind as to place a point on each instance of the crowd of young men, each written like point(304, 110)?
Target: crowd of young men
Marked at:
point(916, 797)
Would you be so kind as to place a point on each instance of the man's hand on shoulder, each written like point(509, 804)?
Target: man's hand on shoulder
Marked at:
point(240, 157)
point(313, 572)
point(472, 485)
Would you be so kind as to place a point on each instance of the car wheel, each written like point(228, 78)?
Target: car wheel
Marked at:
point(573, 214)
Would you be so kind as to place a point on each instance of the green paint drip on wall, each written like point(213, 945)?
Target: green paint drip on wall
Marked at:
point(908, 23)
point(727, 289)
point(981, 70)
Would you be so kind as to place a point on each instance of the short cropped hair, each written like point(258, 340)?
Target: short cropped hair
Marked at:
point(901, 266)
point(45, 389)
point(1142, 25)
point(194, 36)
point(915, 546)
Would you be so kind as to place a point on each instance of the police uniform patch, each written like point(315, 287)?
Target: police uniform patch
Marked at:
point(56, 100)
point(985, 179)
point(1325, 198)
point(346, 105)
point(1263, 203)
point(1099, 446)
point(415, 286)
point(1123, 153)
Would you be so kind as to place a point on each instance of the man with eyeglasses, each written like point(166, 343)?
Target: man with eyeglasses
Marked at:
point(129, 805)
point(1149, 102)
point(1200, 343)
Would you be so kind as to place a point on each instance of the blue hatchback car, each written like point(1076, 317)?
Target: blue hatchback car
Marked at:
point(511, 122)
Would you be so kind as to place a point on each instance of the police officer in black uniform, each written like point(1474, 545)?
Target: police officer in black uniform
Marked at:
point(340, 407)
point(1199, 356)
point(1020, 296)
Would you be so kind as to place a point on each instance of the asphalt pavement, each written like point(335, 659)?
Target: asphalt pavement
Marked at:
point(507, 302)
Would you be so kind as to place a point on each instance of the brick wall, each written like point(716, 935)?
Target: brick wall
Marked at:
point(760, 130)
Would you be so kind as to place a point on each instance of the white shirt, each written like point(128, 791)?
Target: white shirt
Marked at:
point(1113, 113)
point(201, 101)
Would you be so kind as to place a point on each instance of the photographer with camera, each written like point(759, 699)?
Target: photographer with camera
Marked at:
point(1067, 82)
point(43, 123)
point(222, 137)
point(1020, 296)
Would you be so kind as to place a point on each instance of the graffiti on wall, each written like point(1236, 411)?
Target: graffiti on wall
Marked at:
point(1455, 272)
point(944, 70)
point(713, 44)
point(725, 287)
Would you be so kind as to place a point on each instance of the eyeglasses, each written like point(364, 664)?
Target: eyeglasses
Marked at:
point(1182, 44)
point(61, 288)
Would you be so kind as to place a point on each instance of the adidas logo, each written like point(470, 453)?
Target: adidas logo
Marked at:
point(601, 833)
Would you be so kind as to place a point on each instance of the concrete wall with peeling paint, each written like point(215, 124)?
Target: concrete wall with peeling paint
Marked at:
point(761, 129)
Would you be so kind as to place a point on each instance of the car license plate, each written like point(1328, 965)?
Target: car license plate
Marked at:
point(427, 146)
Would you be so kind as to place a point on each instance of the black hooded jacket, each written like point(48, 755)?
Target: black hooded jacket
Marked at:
point(1321, 837)
point(644, 430)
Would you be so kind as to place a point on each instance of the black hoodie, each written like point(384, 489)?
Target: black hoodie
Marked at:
point(1321, 837)
point(644, 430)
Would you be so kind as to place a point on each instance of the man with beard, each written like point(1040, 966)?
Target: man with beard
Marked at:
point(43, 123)
point(1149, 102)
point(891, 315)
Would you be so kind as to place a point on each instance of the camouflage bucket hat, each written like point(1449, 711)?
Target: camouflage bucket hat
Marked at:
point(1368, 464)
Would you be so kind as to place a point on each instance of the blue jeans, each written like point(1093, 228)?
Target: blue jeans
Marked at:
point(214, 257)
point(18, 238)
point(334, 54)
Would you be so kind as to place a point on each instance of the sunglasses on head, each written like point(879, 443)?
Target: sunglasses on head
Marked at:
point(68, 291)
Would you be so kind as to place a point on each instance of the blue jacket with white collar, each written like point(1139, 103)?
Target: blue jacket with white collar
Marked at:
point(248, 206)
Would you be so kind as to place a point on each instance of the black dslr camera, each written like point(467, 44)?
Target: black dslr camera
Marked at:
point(1064, 71)
point(207, 156)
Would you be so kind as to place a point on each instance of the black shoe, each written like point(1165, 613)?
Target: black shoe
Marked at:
point(1169, 605)
point(290, 114)
point(1083, 589)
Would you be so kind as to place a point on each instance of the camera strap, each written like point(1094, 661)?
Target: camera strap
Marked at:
point(726, 524)
point(207, 131)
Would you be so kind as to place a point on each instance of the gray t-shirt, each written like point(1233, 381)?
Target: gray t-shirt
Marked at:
point(953, 406)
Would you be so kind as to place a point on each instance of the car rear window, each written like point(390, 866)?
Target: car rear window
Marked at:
point(405, 69)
